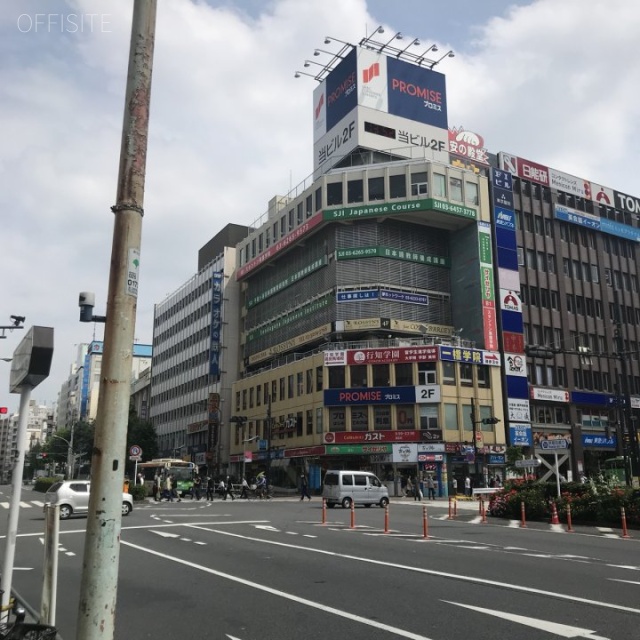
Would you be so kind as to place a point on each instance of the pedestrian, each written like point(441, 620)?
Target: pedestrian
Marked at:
point(431, 488)
point(140, 478)
point(417, 494)
point(467, 486)
point(168, 489)
point(408, 488)
point(228, 489)
point(245, 489)
point(210, 488)
point(174, 489)
point(221, 488)
point(304, 488)
point(197, 486)
point(454, 486)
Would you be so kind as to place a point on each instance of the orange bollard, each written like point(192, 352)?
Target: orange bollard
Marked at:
point(324, 511)
point(450, 508)
point(554, 514)
point(386, 519)
point(569, 527)
point(425, 523)
point(523, 522)
point(455, 507)
point(625, 533)
point(480, 505)
point(353, 515)
point(484, 512)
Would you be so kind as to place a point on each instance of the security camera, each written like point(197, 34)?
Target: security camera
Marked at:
point(86, 302)
point(18, 320)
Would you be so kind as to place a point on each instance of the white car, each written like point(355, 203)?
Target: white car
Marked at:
point(72, 496)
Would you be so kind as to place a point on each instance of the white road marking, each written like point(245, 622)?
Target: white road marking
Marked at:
point(165, 534)
point(431, 572)
point(558, 528)
point(624, 566)
point(198, 542)
point(604, 529)
point(38, 503)
point(266, 527)
point(292, 533)
point(514, 523)
point(23, 568)
point(627, 581)
point(306, 535)
point(562, 630)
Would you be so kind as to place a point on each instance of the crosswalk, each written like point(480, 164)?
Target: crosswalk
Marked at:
point(24, 505)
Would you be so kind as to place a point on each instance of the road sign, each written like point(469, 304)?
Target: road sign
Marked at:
point(527, 463)
point(135, 458)
point(558, 443)
point(135, 451)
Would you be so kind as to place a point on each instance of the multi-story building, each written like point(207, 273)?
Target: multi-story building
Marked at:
point(195, 357)
point(70, 396)
point(141, 394)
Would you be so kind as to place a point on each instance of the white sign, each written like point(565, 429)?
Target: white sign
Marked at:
point(135, 451)
point(518, 410)
point(510, 300)
point(550, 395)
point(133, 267)
point(515, 365)
point(335, 358)
point(428, 393)
point(568, 184)
point(431, 448)
point(405, 452)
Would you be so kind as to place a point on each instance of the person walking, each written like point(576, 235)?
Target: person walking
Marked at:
point(431, 488)
point(245, 489)
point(304, 488)
point(467, 486)
point(174, 489)
point(228, 489)
point(454, 486)
point(168, 489)
point(417, 494)
point(210, 488)
point(197, 487)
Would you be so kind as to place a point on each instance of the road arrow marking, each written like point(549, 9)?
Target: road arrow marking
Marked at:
point(266, 527)
point(562, 630)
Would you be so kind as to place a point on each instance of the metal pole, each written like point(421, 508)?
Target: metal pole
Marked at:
point(98, 588)
point(14, 505)
point(49, 587)
point(268, 465)
point(557, 474)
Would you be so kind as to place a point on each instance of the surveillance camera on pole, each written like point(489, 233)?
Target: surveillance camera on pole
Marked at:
point(86, 302)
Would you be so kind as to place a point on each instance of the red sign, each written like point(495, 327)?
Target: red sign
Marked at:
point(490, 328)
point(304, 451)
point(390, 356)
point(525, 168)
point(513, 342)
point(350, 437)
point(467, 144)
point(295, 235)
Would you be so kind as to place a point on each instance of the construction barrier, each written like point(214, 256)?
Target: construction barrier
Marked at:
point(523, 521)
point(554, 514)
point(625, 533)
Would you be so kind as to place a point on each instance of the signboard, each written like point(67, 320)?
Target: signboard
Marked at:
point(405, 452)
point(549, 395)
point(527, 464)
point(603, 442)
point(342, 437)
point(135, 451)
point(520, 435)
point(356, 295)
point(31, 362)
point(556, 443)
point(518, 410)
point(357, 449)
point(389, 355)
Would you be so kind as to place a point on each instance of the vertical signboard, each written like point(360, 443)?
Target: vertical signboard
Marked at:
point(488, 291)
point(216, 323)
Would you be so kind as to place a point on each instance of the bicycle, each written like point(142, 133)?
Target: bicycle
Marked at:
point(18, 629)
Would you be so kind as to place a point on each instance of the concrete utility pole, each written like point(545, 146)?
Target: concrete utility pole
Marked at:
point(98, 590)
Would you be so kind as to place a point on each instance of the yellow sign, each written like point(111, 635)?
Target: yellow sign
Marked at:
point(362, 323)
point(423, 328)
point(309, 336)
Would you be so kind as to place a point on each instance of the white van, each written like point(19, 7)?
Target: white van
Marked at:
point(357, 487)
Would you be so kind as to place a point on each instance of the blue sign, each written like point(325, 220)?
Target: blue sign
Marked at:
point(599, 441)
point(584, 397)
point(621, 230)
point(502, 198)
point(399, 296)
point(555, 444)
point(502, 179)
point(354, 296)
point(342, 91)
point(520, 435)
point(504, 218)
point(369, 395)
point(216, 323)
point(416, 93)
point(495, 459)
point(570, 215)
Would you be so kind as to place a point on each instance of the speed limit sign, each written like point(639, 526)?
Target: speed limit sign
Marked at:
point(135, 451)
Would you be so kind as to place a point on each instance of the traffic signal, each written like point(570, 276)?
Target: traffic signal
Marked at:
point(4, 410)
point(490, 420)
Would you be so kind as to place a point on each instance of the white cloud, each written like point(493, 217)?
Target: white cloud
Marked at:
point(231, 127)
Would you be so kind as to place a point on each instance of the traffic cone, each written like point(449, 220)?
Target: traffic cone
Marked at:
point(554, 514)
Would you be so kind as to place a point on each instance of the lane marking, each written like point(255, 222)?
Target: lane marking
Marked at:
point(563, 630)
point(431, 572)
point(627, 581)
point(165, 534)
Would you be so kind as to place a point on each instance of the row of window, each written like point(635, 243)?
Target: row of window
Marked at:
point(192, 339)
point(184, 323)
point(183, 302)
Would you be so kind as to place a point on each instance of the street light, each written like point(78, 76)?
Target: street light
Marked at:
point(70, 461)
point(240, 421)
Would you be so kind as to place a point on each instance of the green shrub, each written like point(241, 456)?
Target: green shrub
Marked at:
point(43, 484)
point(138, 492)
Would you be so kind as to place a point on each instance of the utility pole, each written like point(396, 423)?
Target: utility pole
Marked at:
point(268, 466)
point(98, 589)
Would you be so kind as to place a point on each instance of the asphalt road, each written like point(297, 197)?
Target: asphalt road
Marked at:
point(271, 570)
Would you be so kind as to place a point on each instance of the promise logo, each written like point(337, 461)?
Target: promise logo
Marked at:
point(370, 73)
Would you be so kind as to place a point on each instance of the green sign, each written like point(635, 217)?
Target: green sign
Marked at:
point(396, 208)
point(355, 253)
point(357, 449)
point(290, 279)
point(453, 209)
point(302, 312)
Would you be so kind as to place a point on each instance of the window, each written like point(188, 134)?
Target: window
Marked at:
point(448, 372)
point(397, 186)
point(539, 225)
point(428, 416)
point(309, 380)
point(300, 213)
point(531, 259)
point(376, 188)
point(471, 192)
point(319, 384)
point(520, 257)
point(359, 418)
point(355, 191)
point(309, 422)
point(319, 425)
point(382, 417)
point(318, 198)
point(427, 373)
point(380, 375)
point(466, 374)
point(334, 193)
point(451, 417)
point(299, 383)
point(337, 420)
point(483, 373)
point(405, 417)
point(290, 386)
point(439, 185)
point(282, 389)
point(358, 374)
point(404, 375)
point(419, 186)
point(336, 377)
point(455, 189)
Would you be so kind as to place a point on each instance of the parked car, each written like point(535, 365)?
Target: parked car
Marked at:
point(72, 496)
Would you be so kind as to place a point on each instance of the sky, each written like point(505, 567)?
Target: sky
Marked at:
point(230, 127)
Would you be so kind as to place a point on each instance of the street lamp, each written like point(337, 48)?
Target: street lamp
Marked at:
point(69, 454)
point(240, 421)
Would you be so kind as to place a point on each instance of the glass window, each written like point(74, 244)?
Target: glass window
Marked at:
point(309, 380)
point(382, 417)
point(282, 389)
point(336, 419)
point(336, 377)
point(380, 375)
point(429, 417)
point(309, 422)
point(360, 418)
point(448, 372)
point(455, 189)
point(397, 186)
point(404, 374)
point(318, 198)
point(319, 384)
point(319, 428)
point(334, 193)
point(358, 374)
point(405, 417)
point(451, 417)
point(427, 373)
point(466, 374)
point(439, 185)
point(471, 192)
point(290, 386)
point(483, 374)
point(355, 191)
point(300, 383)
point(376, 188)
point(419, 185)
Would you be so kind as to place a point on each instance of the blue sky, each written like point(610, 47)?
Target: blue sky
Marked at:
point(555, 82)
